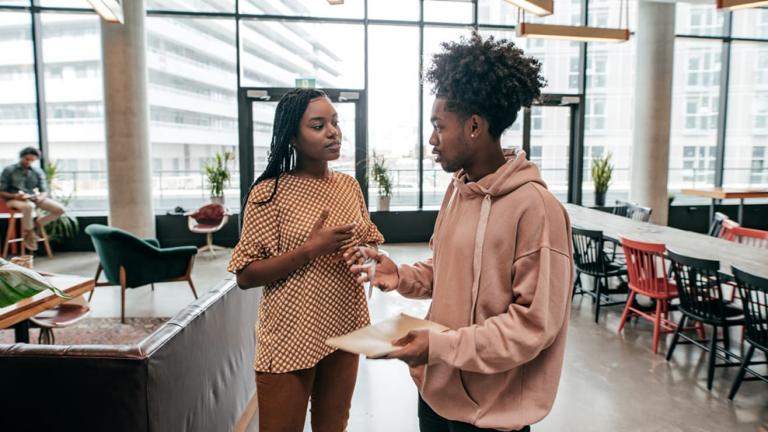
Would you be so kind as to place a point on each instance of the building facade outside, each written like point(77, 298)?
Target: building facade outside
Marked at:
point(192, 81)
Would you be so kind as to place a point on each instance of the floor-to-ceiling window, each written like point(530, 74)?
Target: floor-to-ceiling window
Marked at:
point(193, 55)
point(74, 106)
point(720, 114)
point(192, 81)
point(18, 110)
point(695, 106)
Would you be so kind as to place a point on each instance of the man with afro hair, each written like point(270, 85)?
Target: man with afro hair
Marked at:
point(501, 271)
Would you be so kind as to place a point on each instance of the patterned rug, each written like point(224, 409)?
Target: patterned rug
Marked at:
point(97, 331)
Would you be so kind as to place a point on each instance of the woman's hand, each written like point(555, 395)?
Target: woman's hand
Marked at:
point(386, 276)
point(326, 241)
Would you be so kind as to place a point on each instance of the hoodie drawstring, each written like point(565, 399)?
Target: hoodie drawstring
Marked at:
point(477, 263)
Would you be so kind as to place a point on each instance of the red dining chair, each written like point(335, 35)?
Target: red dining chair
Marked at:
point(647, 272)
point(734, 232)
point(648, 277)
point(750, 236)
point(726, 230)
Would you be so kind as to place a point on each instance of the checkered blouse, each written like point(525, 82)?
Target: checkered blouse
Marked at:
point(319, 300)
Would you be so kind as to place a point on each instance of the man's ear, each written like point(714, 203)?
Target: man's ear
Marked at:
point(476, 125)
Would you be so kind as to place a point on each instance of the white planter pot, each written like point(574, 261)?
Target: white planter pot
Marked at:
point(383, 203)
point(217, 200)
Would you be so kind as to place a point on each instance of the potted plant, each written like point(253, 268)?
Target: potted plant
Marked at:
point(380, 175)
point(601, 177)
point(217, 173)
point(65, 226)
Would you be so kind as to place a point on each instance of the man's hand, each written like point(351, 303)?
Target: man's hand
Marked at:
point(21, 196)
point(386, 278)
point(415, 348)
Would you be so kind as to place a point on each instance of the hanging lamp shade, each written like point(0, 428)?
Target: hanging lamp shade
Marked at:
point(577, 33)
point(109, 10)
point(740, 4)
point(574, 33)
point(535, 7)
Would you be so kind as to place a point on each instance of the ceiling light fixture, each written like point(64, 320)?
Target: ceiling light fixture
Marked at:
point(110, 10)
point(575, 33)
point(536, 7)
point(740, 4)
point(578, 33)
point(335, 2)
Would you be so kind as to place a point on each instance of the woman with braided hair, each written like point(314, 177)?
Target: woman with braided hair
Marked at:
point(298, 218)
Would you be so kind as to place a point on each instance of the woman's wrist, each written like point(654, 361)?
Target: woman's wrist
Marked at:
point(305, 253)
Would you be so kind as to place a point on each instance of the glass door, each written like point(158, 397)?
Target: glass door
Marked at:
point(257, 113)
point(549, 137)
point(549, 133)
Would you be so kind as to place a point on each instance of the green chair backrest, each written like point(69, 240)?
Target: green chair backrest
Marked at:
point(116, 247)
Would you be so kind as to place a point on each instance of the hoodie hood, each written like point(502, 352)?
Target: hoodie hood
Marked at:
point(516, 172)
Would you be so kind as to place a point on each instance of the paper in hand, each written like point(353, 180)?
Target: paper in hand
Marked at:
point(375, 341)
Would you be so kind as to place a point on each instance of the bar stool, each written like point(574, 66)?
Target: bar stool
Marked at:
point(11, 236)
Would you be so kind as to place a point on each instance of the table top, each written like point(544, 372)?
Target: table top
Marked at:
point(73, 286)
point(748, 258)
point(726, 193)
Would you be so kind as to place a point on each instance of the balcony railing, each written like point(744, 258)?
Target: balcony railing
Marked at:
point(88, 190)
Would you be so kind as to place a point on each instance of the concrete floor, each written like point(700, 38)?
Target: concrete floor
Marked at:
point(610, 382)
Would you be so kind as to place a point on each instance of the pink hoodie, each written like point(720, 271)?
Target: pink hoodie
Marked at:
point(500, 278)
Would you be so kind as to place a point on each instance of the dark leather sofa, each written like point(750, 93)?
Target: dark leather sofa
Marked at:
point(193, 374)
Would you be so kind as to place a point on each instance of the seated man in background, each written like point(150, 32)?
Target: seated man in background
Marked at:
point(25, 188)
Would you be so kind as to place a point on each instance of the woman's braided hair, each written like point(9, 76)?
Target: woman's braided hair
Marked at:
point(491, 78)
point(282, 155)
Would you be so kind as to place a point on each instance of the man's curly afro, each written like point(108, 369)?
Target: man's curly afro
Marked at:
point(491, 78)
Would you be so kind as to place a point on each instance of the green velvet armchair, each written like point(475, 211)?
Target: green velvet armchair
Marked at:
point(131, 262)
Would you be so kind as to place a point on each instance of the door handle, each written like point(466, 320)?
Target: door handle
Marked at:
point(348, 96)
point(258, 94)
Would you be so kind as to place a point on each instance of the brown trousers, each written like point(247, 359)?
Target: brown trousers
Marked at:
point(283, 397)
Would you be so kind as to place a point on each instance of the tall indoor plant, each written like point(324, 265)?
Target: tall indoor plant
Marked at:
point(217, 173)
point(380, 175)
point(65, 226)
point(602, 169)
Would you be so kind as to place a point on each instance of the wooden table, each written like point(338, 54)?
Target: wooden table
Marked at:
point(719, 194)
point(748, 258)
point(18, 314)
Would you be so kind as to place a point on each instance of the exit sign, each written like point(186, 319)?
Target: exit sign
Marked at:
point(305, 83)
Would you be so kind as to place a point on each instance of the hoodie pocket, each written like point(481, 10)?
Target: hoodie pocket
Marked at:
point(466, 390)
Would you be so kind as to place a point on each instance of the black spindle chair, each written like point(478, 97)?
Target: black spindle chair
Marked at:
point(701, 299)
point(592, 260)
point(754, 296)
point(622, 207)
